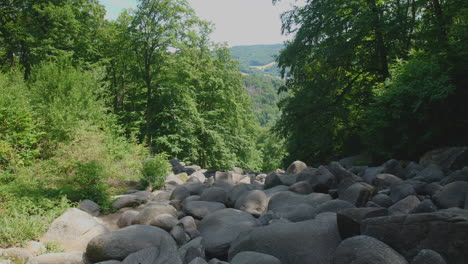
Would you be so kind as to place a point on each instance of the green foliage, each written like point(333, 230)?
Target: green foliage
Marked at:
point(156, 169)
point(273, 150)
point(19, 133)
point(256, 55)
point(87, 182)
point(337, 65)
point(408, 116)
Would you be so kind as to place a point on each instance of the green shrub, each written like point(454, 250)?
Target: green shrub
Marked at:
point(87, 182)
point(155, 170)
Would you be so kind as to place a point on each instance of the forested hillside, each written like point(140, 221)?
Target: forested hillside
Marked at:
point(261, 78)
point(85, 101)
point(383, 77)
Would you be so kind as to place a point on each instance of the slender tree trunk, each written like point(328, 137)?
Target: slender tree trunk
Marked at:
point(381, 49)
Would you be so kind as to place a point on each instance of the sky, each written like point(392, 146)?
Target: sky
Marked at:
point(237, 22)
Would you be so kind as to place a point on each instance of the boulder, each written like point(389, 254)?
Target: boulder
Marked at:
point(237, 191)
point(296, 167)
point(349, 162)
point(382, 200)
point(426, 206)
point(372, 172)
point(187, 222)
point(60, 258)
point(192, 249)
point(90, 207)
point(150, 212)
point(349, 220)
point(161, 195)
point(249, 257)
point(17, 255)
point(365, 249)
point(401, 191)
point(357, 194)
point(272, 180)
point(393, 167)
point(451, 158)
point(151, 255)
point(126, 218)
point(214, 194)
point(253, 202)
point(282, 201)
point(199, 175)
point(35, 248)
point(459, 175)
point(339, 172)
point(200, 209)
point(452, 195)
point(175, 180)
point(272, 191)
point(301, 187)
point(404, 206)
point(164, 221)
point(179, 235)
point(223, 176)
point(333, 206)
point(427, 256)
point(220, 228)
point(118, 244)
point(177, 167)
point(444, 232)
point(180, 193)
point(198, 260)
point(432, 173)
point(412, 169)
point(196, 188)
point(384, 181)
point(73, 230)
point(311, 241)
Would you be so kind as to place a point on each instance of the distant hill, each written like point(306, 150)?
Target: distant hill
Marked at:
point(257, 59)
point(261, 77)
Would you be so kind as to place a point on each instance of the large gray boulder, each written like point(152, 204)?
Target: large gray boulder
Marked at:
point(431, 173)
point(281, 201)
point(296, 167)
point(214, 194)
point(149, 213)
point(253, 202)
point(90, 207)
point(444, 232)
point(220, 228)
point(452, 195)
point(357, 194)
point(365, 249)
point(200, 209)
point(249, 257)
point(151, 255)
point(404, 206)
point(401, 191)
point(118, 244)
point(237, 191)
point(180, 193)
point(427, 256)
point(126, 218)
point(349, 220)
point(272, 180)
point(312, 241)
point(453, 158)
point(73, 230)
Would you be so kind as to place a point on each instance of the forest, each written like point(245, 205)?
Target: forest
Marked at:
point(86, 101)
point(384, 78)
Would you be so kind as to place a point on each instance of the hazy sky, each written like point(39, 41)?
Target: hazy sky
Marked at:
point(237, 22)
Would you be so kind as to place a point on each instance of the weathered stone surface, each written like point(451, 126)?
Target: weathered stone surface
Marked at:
point(426, 206)
point(118, 244)
point(444, 232)
point(179, 235)
point(383, 181)
point(196, 188)
point(339, 172)
point(296, 167)
point(127, 218)
point(35, 248)
point(301, 187)
point(459, 175)
point(150, 212)
point(371, 172)
point(283, 200)
point(193, 246)
point(214, 194)
point(180, 193)
point(349, 220)
point(17, 255)
point(382, 200)
point(249, 257)
point(427, 256)
point(151, 255)
point(200, 209)
point(365, 249)
point(187, 222)
point(404, 206)
point(357, 194)
point(272, 191)
point(272, 180)
point(164, 221)
point(237, 191)
point(73, 230)
point(401, 191)
point(253, 202)
point(452, 195)
point(312, 241)
point(448, 158)
point(220, 228)
point(431, 173)
point(60, 258)
point(393, 167)
point(90, 207)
